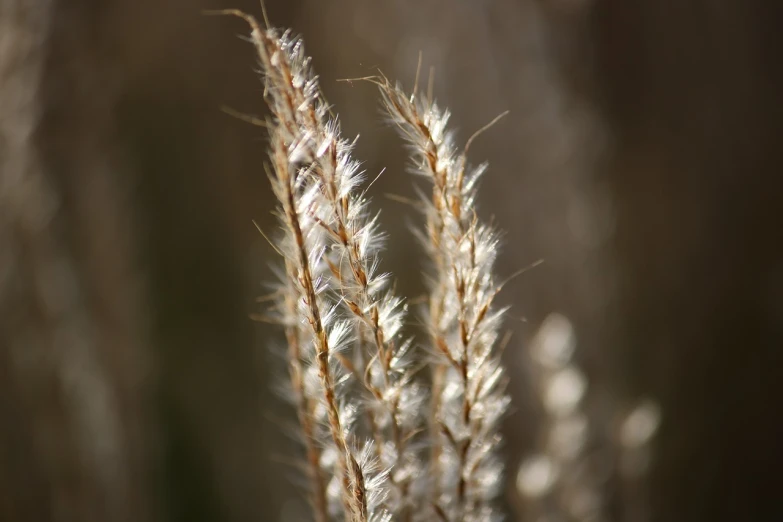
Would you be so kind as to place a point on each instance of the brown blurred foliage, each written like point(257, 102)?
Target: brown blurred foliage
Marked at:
point(640, 161)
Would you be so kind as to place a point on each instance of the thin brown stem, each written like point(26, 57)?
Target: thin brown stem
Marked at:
point(304, 407)
point(287, 196)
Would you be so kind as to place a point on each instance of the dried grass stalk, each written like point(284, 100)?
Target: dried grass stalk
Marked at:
point(350, 369)
point(298, 127)
point(469, 393)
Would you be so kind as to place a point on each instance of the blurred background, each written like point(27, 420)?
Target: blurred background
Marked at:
point(641, 160)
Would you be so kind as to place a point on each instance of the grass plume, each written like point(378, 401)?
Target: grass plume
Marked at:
point(469, 385)
point(352, 374)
